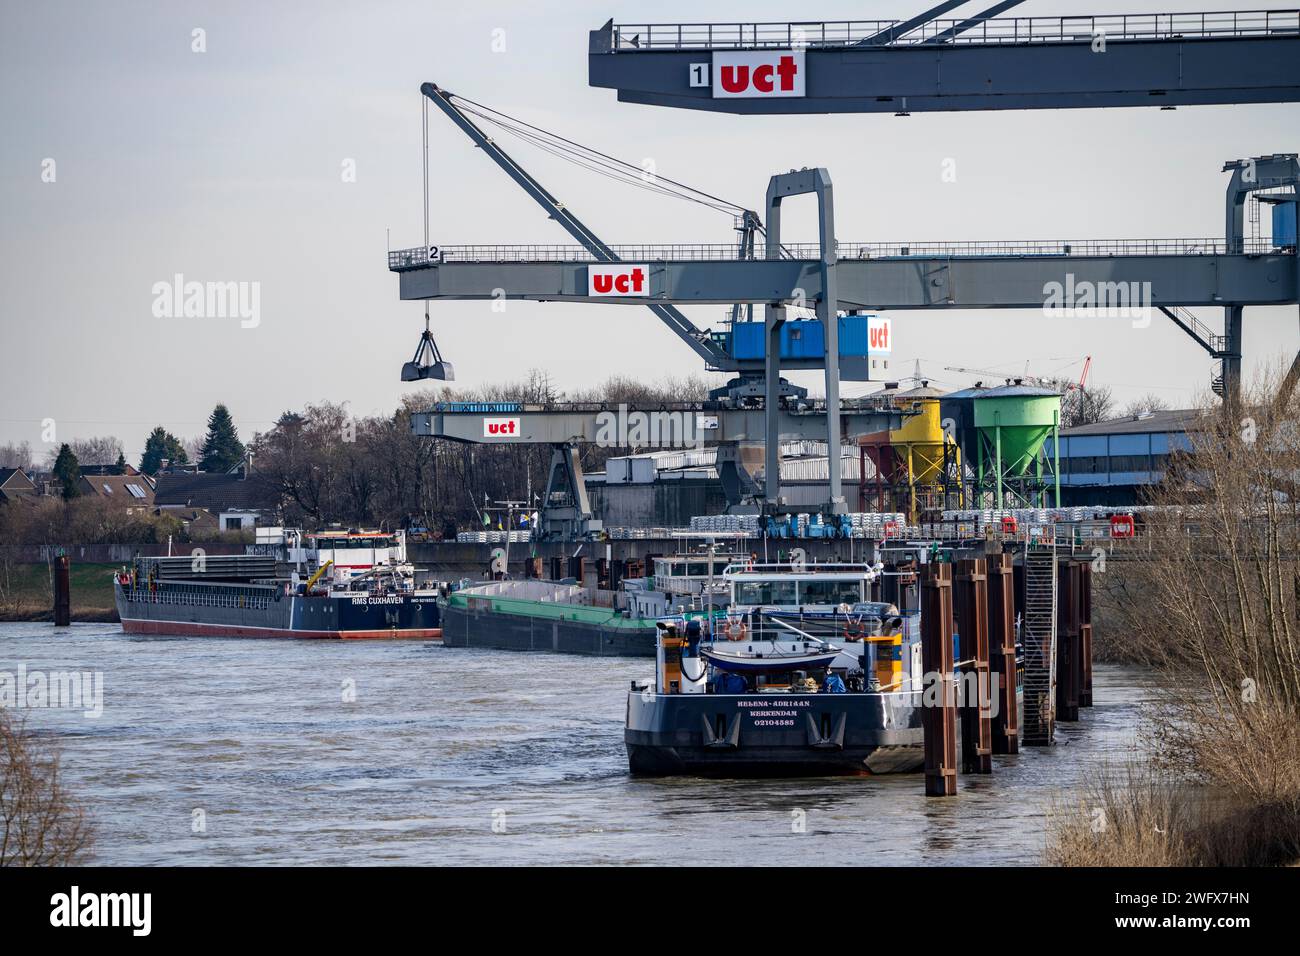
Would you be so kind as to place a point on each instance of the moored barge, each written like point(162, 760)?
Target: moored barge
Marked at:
point(326, 585)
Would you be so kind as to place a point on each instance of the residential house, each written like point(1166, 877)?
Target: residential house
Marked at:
point(238, 500)
point(134, 492)
point(15, 483)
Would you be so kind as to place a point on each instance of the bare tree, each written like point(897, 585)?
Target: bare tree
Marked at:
point(1149, 402)
point(16, 455)
point(1081, 406)
point(43, 826)
point(99, 450)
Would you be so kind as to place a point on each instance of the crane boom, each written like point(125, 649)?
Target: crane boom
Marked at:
point(670, 315)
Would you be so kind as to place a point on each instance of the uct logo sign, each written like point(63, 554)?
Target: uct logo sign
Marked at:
point(878, 335)
point(754, 73)
point(618, 280)
point(500, 428)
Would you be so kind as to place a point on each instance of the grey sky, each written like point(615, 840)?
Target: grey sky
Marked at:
point(226, 166)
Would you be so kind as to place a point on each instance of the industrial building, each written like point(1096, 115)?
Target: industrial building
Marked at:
point(665, 489)
point(1109, 463)
point(1113, 462)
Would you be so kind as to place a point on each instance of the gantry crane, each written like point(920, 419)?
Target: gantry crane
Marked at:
point(830, 275)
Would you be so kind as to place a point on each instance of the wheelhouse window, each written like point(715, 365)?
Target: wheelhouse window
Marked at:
point(830, 592)
point(764, 592)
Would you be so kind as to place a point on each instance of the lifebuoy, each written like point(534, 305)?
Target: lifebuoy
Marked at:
point(1121, 526)
point(735, 630)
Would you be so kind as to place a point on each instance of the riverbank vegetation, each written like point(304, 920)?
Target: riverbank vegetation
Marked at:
point(41, 824)
point(1212, 610)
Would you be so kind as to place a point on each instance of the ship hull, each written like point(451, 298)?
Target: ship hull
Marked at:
point(773, 734)
point(765, 735)
point(264, 612)
point(485, 627)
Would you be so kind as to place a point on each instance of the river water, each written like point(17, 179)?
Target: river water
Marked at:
point(214, 751)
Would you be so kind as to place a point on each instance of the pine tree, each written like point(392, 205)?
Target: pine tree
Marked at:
point(222, 449)
point(67, 470)
point(120, 466)
point(162, 444)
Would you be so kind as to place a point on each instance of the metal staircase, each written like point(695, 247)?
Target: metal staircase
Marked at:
point(1203, 335)
point(1038, 636)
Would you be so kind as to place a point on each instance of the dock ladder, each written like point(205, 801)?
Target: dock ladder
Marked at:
point(1038, 636)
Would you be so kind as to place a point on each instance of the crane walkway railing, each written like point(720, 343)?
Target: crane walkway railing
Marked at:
point(989, 30)
point(402, 260)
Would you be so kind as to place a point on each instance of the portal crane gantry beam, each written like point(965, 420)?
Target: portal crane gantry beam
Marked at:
point(987, 62)
point(1262, 276)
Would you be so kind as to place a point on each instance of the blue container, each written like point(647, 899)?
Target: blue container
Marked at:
point(800, 339)
point(1284, 231)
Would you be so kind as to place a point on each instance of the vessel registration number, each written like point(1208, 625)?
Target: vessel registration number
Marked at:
point(773, 713)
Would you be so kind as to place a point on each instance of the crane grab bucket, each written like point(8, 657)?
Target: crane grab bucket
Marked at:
point(428, 363)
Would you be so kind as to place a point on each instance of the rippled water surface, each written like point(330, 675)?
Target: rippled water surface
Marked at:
point(440, 743)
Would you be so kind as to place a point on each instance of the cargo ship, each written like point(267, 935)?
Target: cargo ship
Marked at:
point(567, 618)
point(533, 615)
point(334, 584)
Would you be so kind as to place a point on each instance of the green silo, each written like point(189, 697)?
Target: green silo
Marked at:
point(1013, 421)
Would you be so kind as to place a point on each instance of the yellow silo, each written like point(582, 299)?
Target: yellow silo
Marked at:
point(919, 444)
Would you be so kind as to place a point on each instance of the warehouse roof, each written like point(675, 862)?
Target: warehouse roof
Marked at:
point(1167, 420)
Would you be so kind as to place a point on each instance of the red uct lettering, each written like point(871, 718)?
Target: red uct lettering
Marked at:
point(638, 277)
point(621, 283)
point(603, 283)
point(493, 429)
point(763, 78)
point(786, 69)
point(735, 79)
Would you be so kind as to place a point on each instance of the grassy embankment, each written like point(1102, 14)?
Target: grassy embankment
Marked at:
point(26, 592)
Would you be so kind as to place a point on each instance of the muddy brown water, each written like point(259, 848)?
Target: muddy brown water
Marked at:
point(314, 752)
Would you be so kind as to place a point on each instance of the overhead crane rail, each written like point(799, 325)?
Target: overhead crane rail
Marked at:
point(404, 260)
point(974, 31)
